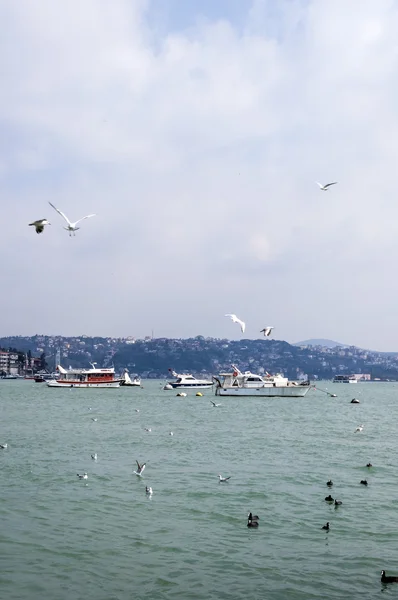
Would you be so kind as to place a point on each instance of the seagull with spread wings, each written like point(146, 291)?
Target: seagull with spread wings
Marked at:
point(325, 188)
point(71, 226)
point(266, 331)
point(39, 225)
point(235, 319)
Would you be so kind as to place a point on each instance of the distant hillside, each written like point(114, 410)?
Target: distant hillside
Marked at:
point(319, 342)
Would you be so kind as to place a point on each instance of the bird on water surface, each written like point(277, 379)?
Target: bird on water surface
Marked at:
point(388, 578)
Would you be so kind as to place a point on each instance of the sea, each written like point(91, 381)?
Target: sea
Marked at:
point(105, 538)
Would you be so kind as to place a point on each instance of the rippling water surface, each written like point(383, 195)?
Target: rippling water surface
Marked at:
point(104, 539)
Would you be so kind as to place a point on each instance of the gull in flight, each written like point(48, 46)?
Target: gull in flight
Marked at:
point(140, 468)
point(71, 226)
point(266, 331)
point(235, 319)
point(39, 225)
point(3, 446)
point(214, 404)
point(84, 476)
point(359, 428)
point(94, 456)
point(221, 478)
point(325, 188)
point(148, 490)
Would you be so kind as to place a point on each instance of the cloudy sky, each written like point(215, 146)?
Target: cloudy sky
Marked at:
point(196, 131)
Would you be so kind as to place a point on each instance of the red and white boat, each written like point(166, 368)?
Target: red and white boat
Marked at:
point(85, 378)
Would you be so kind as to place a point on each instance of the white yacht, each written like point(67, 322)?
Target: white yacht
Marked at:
point(237, 383)
point(186, 381)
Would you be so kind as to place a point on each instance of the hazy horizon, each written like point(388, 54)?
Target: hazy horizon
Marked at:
point(196, 132)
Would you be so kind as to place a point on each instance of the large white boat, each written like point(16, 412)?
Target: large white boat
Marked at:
point(85, 378)
point(237, 383)
point(185, 381)
point(345, 379)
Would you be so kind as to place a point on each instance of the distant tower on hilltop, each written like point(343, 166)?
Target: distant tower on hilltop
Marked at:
point(57, 358)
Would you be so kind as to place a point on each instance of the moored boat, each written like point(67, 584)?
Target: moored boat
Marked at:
point(345, 379)
point(85, 378)
point(187, 381)
point(237, 383)
point(127, 381)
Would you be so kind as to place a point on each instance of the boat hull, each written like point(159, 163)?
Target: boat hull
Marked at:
point(189, 386)
point(84, 384)
point(290, 391)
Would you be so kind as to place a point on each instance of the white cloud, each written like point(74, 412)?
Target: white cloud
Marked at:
point(199, 151)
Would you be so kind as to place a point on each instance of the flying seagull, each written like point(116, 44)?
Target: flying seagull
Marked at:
point(266, 331)
point(221, 478)
point(325, 188)
point(235, 319)
point(71, 226)
point(140, 468)
point(214, 404)
point(39, 225)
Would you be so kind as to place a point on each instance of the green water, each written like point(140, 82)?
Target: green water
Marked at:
point(104, 538)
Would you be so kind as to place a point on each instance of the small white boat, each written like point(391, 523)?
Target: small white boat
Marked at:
point(185, 381)
point(85, 378)
point(345, 379)
point(127, 381)
point(249, 384)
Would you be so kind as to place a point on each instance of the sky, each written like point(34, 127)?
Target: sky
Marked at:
point(196, 131)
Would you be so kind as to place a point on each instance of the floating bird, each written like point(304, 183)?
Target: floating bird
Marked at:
point(337, 502)
point(182, 394)
point(329, 483)
point(325, 188)
point(148, 490)
point(235, 319)
point(94, 419)
point(94, 456)
point(3, 446)
point(369, 465)
point(214, 404)
point(326, 526)
point(355, 401)
point(364, 482)
point(329, 498)
point(84, 476)
point(267, 331)
point(221, 478)
point(140, 468)
point(71, 226)
point(148, 429)
point(388, 578)
point(171, 433)
point(359, 428)
point(137, 410)
point(39, 225)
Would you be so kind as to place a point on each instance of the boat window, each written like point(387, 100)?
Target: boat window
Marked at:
point(253, 379)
